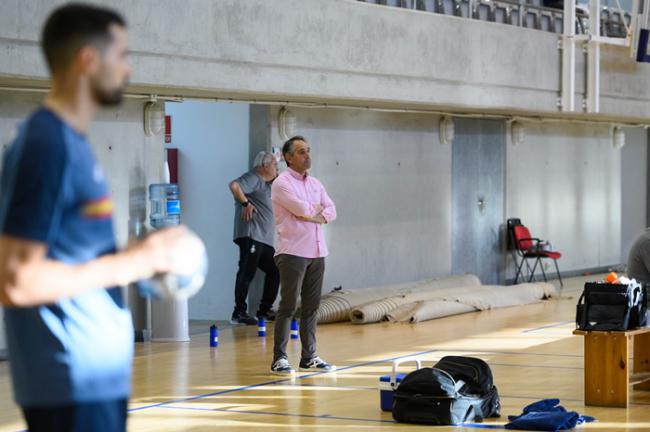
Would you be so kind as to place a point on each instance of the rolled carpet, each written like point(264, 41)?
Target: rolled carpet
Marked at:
point(336, 305)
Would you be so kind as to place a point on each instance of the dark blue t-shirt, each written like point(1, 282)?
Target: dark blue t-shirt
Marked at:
point(53, 191)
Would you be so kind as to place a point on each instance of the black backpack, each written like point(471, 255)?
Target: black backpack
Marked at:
point(612, 307)
point(455, 390)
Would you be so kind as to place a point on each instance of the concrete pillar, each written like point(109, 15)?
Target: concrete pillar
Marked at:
point(259, 139)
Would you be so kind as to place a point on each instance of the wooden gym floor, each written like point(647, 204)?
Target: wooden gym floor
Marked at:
point(191, 387)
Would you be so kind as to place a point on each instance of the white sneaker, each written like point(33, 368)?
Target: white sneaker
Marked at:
point(282, 367)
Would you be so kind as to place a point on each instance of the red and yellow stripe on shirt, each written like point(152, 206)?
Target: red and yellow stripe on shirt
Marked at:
point(101, 208)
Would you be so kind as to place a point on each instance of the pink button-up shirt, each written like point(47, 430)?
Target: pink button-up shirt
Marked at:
point(293, 196)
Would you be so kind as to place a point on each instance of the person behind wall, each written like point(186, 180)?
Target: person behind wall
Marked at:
point(69, 336)
point(255, 236)
point(638, 260)
point(301, 206)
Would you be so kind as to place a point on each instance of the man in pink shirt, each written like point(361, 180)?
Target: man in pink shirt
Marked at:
point(301, 206)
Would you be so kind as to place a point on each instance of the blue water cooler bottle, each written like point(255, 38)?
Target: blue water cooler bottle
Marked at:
point(170, 321)
point(165, 205)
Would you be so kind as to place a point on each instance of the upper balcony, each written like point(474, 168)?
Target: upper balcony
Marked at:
point(348, 52)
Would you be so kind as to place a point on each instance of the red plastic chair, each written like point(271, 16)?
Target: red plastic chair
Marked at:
point(528, 248)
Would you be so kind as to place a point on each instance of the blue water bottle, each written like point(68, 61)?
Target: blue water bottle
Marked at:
point(294, 329)
point(214, 336)
point(261, 327)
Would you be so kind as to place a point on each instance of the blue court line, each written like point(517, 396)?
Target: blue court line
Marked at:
point(322, 416)
point(548, 326)
point(252, 386)
point(502, 396)
point(492, 364)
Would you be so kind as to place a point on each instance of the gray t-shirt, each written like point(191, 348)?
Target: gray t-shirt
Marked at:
point(262, 227)
point(638, 260)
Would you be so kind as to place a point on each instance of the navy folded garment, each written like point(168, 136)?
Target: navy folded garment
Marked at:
point(546, 405)
point(546, 415)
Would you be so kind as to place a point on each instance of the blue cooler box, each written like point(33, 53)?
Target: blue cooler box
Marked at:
point(386, 391)
point(388, 383)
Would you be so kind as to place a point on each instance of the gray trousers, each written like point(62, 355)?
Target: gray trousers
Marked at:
point(304, 277)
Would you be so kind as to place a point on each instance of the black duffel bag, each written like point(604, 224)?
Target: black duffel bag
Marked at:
point(456, 390)
point(612, 307)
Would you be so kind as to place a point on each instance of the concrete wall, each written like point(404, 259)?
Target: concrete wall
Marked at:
point(634, 179)
point(130, 160)
point(337, 51)
point(564, 183)
point(213, 144)
point(391, 181)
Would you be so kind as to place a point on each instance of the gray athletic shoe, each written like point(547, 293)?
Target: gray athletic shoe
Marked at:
point(282, 367)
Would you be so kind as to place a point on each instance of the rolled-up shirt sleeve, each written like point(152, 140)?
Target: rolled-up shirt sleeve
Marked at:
point(248, 182)
point(283, 195)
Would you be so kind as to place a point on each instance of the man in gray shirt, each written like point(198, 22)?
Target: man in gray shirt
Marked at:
point(255, 235)
point(638, 260)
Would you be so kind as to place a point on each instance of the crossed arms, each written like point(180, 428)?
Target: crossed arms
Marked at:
point(321, 213)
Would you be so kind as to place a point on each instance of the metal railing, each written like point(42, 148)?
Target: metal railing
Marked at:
point(522, 14)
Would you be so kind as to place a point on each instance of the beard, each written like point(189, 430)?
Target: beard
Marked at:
point(108, 97)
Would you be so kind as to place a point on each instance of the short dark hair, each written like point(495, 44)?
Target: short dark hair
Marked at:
point(289, 145)
point(71, 27)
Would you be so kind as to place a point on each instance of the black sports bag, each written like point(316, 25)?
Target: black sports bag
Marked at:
point(456, 390)
point(612, 307)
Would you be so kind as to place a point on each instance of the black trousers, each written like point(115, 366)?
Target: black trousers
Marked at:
point(254, 255)
point(107, 416)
